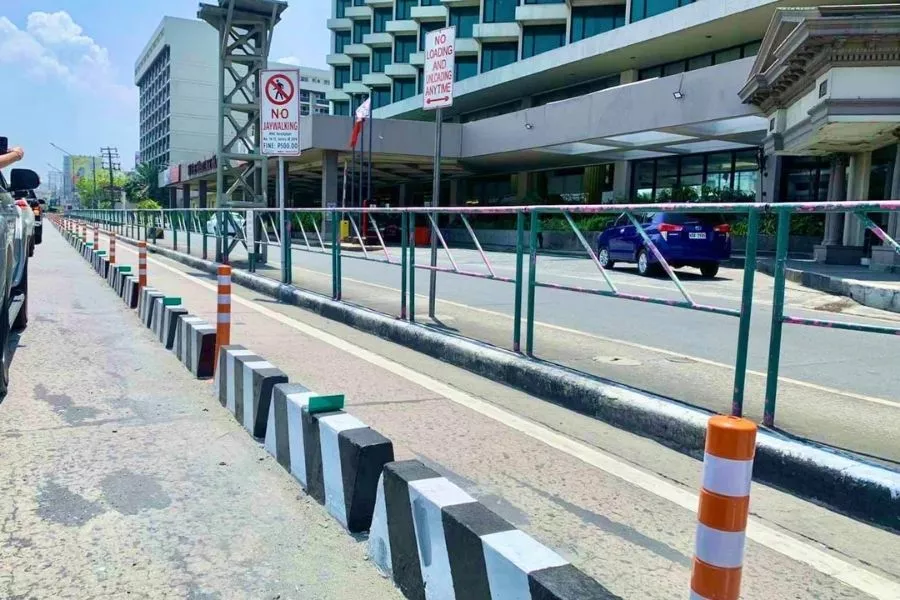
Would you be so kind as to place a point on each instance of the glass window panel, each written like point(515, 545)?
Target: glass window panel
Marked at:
point(724, 56)
point(699, 62)
point(692, 165)
point(464, 19)
point(500, 11)
point(425, 28)
point(745, 160)
point(404, 88)
point(746, 183)
point(380, 18)
point(588, 21)
point(494, 56)
point(381, 97)
point(340, 8)
point(341, 39)
point(360, 68)
point(341, 76)
point(381, 57)
point(719, 162)
point(752, 49)
point(650, 73)
point(360, 28)
point(404, 8)
point(673, 68)
point(543, 38)
point(403, 47)
point(466, 66)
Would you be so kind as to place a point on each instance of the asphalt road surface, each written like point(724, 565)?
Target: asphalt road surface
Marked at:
point(618, 506)
point(838, 388)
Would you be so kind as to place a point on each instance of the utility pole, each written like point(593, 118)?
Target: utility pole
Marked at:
point(111, 162)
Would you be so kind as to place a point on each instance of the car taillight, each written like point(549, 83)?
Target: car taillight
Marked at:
point(723, 228)
point(666, 228)
point(21, 203)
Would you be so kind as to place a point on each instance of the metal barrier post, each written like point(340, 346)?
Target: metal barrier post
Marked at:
point(173, 220)
point(142, 264)
point(112, 247)
point(517, 313)
point(740, 363)
point(340, 266)
point(724, 507)
point(187, 229)
point(404, 242)
point(334, 259)
point(223, 308)
point(532, 275)
point(412, 268)
point(205, 242)
point(287, 258)
point(781, 250)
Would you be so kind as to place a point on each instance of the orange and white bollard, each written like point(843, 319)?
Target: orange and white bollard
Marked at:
point(112, 247)
point(142, 265)
point(223, 309)
point(724, 506)
point(84, 232)
point(96, 236)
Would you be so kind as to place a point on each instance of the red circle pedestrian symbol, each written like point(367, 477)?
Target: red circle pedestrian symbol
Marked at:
point(279, 89)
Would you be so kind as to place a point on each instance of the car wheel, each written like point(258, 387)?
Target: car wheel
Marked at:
point(643, 263)
point(709, 270)
point(4, 351)
point(31, 249)
point(603, 258)
point(21, 321)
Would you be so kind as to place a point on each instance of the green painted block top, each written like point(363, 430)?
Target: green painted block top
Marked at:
point(125, 268)
point(89, 244)
point(172, 301)
point(319, 404)
point(101, 252)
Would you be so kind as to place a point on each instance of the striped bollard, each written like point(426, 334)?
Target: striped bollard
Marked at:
point(96, 236)
point(223, 316)
point(84, 232)
point(112, 247)
point(142, 265)
point(724, 506)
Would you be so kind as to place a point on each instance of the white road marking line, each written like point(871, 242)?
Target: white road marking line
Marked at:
point(861, 579)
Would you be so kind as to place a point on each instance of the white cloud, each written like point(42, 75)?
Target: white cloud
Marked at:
point(290, 60)
point(54, 47)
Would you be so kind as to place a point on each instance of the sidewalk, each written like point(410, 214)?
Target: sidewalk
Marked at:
point(870, 288)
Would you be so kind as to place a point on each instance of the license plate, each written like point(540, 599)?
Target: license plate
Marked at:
point(701, 235)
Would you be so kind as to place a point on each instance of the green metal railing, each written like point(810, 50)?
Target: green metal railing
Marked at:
point(335, 232)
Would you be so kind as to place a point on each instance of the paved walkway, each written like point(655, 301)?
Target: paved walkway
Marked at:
point(618, 506)
point(122, 477)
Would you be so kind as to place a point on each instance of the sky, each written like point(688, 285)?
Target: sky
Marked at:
point(67, 69)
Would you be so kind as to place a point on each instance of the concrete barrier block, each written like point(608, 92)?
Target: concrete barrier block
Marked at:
point(103, 267)
point(152, 298)
point(132, 291)
point(254, 379)
point(181, 336)
point(429, 534)
point(169, 322)
point(336, 457)
point(224, 378)
point(144, 303)
point(201, 349)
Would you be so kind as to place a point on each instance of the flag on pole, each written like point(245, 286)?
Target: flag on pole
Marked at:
point(362, 113)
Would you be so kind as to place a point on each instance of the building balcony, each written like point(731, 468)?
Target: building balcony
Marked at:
point(466, 47)
point(496, 32)
point(339, 24)
point(400, 70)
point(379, 3)
point(417, 59)
point(457, 3)
point(337, 95)
point(356, 87)
point(542, 14)
point(376, 80)
point(405, 26)
point(338, 60)
point(358, 12)
point(378, 39)
point(357, 50)
point(429, 13)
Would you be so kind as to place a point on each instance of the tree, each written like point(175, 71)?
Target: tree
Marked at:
point(96, 194)
point(144, 183)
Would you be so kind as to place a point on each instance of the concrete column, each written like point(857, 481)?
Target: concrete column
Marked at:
point(173, 197)
point(403, 194)
point(769, 190)
point(857, 189)
point(457, 192)
point(834, 222)
point(523, 185)
point(894, 219)
point(185, 195)
point(330, 178)
point(202, 191)
point(622, 181)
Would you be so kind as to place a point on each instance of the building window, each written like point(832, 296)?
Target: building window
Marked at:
point(340, 8)
point(494, 56)
point(381, 57)
point(421, 80)
point(341, 76)
point(381, 96)
point(426, 28)
point(360, 28)
point(341, 39)
point(700, 61)
point(404, 9)
point(714, 177)
point(360, 68)
point(491, 111)
point(588, 21)
point(404, 88)
point(464, 19)
point(380, 18)
point(359, 2)
point(500, 11)
point(642, 9)
point(466, 66)
point(304, 109)
point(574, 91)
point(543, 38)
point(431, 2)
point(340, 108)
point(403, 47)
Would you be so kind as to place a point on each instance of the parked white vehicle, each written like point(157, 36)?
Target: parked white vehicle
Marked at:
point(212, 225)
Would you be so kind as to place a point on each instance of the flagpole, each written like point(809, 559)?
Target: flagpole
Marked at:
point(371, 133)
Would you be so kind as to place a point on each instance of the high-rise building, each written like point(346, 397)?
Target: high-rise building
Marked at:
point(177, 74)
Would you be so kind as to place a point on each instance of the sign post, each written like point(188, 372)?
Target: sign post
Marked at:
point(280, 136)
point(440, 62)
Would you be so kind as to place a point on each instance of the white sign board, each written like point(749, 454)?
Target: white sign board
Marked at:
point(440, 59)
point(279, 112)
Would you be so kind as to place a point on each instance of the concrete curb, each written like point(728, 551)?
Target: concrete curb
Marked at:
point(195, 345)
point(168, 328)
point(835, 479)
point(247, 380)
point(864, 292)
point(429, 534)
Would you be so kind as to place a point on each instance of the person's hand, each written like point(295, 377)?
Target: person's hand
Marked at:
point(19, 152)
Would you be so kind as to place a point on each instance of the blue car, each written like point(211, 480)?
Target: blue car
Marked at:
point(701, 240)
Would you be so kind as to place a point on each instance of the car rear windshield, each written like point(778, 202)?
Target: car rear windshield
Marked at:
point(682, 218)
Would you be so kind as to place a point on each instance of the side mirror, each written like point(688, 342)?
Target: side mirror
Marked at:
point(21, 180)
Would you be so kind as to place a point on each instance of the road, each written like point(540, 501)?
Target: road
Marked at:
point(838, 388)
point(122, 477)
point(618, 506)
